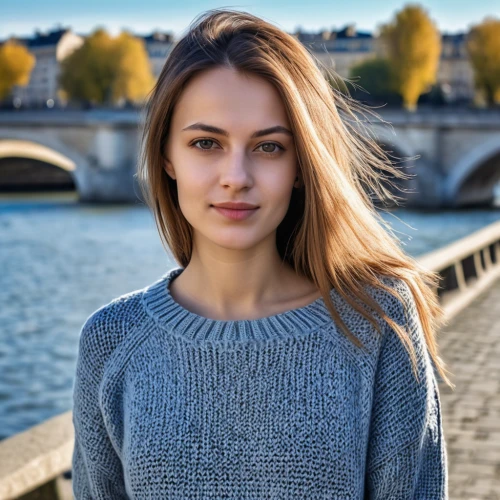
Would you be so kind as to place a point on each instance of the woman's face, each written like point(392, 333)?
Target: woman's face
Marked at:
point(238, 163)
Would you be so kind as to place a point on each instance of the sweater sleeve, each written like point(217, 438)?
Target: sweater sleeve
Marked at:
point(407, 456)
point(96, 468)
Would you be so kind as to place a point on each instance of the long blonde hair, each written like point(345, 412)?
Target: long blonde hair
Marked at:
point(332, 232)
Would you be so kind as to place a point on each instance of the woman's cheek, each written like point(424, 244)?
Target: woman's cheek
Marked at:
point(194, 182)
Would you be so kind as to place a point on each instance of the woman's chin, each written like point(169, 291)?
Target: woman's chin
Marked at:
point(235, 239)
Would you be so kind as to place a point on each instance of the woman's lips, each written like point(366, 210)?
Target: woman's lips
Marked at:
point(234, 214)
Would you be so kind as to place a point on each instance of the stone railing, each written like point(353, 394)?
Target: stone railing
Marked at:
point(467, 267)
point(32, 463)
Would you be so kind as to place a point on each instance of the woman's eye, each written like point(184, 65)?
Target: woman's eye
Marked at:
point(276, 148)
point(203, 141)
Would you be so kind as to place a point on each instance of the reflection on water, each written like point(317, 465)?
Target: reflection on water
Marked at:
point(62, 260)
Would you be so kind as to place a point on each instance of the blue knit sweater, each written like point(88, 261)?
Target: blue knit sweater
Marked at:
point(172, 405)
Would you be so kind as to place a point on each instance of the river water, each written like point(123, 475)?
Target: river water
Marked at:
point(61, 260)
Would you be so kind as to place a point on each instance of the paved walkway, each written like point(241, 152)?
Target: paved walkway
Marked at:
point(470, 345)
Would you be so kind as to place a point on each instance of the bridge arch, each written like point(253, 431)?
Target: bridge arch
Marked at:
point(478, 163)
point(10, 148)
point(35, 145)
point(50, 142)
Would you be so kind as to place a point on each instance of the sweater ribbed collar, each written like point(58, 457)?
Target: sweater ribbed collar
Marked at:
point(173, 317)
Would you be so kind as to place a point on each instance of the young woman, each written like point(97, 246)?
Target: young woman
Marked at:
point(291, 353)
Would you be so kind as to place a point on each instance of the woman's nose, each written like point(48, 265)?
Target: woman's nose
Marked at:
point(236, 170)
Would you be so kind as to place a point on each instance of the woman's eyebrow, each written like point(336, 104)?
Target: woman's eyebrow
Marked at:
point(277, 129)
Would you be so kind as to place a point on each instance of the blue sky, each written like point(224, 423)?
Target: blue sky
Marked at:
point(22, 17)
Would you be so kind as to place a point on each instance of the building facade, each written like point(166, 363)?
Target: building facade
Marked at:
point(455, 73)
point(49, 50)
point(158, 46)
point(339, 50)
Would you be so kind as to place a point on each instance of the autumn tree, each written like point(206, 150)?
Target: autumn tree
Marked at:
point(483, 47)
point(134, 78)
point(16, 64)
point(412, 44)
point(107, 69)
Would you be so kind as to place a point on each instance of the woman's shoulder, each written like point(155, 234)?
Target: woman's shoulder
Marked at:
point(393, 306)
point(387, 299)
point(404, 312)
point(399, 307)
point(371, 336)
point(106, 327)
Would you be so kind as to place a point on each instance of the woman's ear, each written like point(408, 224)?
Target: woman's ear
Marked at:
point(298, 179)
point(169, 168)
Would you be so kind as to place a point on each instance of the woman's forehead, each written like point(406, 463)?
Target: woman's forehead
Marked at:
point(229, 96)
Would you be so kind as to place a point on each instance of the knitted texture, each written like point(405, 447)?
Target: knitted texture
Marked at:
point(172, 405)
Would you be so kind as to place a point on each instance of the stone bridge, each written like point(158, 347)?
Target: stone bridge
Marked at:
point(453, 155)
point(99, 149)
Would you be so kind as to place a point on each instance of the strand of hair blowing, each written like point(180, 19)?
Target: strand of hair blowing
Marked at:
point(332, 232)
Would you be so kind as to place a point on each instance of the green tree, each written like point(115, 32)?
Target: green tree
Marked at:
point(483, 47)
point(376, 77)
point(105, 70)
point(412, 44)
point(16, 64)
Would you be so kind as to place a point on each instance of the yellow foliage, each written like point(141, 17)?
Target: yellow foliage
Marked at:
point(413, 46)
point(135, 77)
point(483, 47)
point(16, 64)
point(106, 69)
